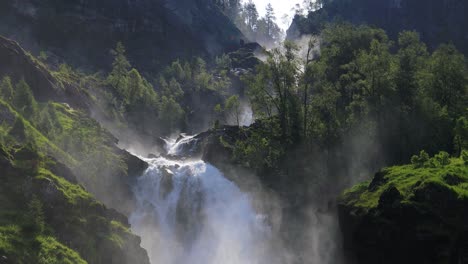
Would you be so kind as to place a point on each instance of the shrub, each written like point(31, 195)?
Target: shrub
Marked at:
point(421, 160)
point(442, 159)
point(464, 156)
point(35, 217)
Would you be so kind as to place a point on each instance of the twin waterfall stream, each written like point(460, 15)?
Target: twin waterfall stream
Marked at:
point(189, 213)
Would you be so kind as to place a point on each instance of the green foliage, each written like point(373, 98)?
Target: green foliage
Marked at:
point(72, 192)
point(408, 180)
point(464, 156)
point(420, 160)
point(442, 158)
point(232, 106)
point(120, 67)
point(402, 98)
point(461, 134)
point(424, 161)
point(53, 252)
point(6, 89)
point(35, 216)
point(171, 115)
point(260, 148)
point(24, 99)
point(274, 89)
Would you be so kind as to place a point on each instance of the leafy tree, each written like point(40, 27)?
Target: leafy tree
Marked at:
point(421, 160)
point(135, 86)
point(233, 107)
point(376, 67)
point(461, 134)
point(275, 89)
point(251, 15)
point(447, 81)
point(171, 114)
point(442, 158)
point(464, 156)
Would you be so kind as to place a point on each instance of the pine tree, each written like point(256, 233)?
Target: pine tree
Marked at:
point(120, 67)
point(6, 89)
point(24, 100)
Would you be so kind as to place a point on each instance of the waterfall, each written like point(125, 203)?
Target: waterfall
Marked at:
point(188, 212)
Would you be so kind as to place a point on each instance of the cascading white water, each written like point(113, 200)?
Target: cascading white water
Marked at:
point(188, 212)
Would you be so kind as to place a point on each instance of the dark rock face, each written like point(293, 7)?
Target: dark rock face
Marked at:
point(73, 216)
point(429, 227)
point(18, 64)
point(154, 31)
point(437, 21)
point(135, 166)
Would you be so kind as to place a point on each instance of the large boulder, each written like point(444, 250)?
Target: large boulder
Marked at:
point(408, 215)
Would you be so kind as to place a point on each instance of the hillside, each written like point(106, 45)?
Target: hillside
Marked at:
point(155, 32)
point(149, 131)
point(437, 21)
point(406, 210)
point(55, 160)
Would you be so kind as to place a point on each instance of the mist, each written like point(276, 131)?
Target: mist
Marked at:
point(189, 212)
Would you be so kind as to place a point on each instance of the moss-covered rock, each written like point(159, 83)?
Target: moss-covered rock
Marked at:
point(408, 214)
point(45, 218)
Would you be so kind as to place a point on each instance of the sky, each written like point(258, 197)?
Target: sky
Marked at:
point(281, 7)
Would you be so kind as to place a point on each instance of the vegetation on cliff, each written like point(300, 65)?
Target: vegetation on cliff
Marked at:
point(47, 216)
point(408, 209)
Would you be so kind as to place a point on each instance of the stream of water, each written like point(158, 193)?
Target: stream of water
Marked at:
point(188, 212)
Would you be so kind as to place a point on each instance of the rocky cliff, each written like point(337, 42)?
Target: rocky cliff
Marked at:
point(47, 217)
point(83, 32)
point(408, 215)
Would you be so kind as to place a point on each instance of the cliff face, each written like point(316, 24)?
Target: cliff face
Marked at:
point(83, 32)
point(408, 215)
point(47, 213)
point(437, 21)
point(19, 64)
point(108, 182)
point(46, 217)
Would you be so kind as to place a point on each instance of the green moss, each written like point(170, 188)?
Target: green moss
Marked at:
point(53, 252)
point(73, 192)
point(42, 142)
point(12, 242)
point(116, 239)
point(118, 226)
point(18, 247)
point(407, 179)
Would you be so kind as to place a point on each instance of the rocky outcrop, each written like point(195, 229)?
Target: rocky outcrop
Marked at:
point(154, 31)
point(16, 63)
point(19, 64)
point(408, 215)
point(70, 214)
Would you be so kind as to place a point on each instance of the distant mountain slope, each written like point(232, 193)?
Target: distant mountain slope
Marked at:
point(154, 31)
point(438, 21)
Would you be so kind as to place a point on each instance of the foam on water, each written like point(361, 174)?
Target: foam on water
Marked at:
point(188, 212)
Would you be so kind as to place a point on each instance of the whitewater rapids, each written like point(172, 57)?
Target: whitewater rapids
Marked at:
point(188, 212)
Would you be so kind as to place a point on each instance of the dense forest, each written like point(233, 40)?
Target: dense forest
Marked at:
point(350, 138)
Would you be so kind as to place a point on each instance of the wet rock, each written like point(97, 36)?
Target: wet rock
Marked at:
point(135, 166)
point(167, 183)
point(153, 156)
